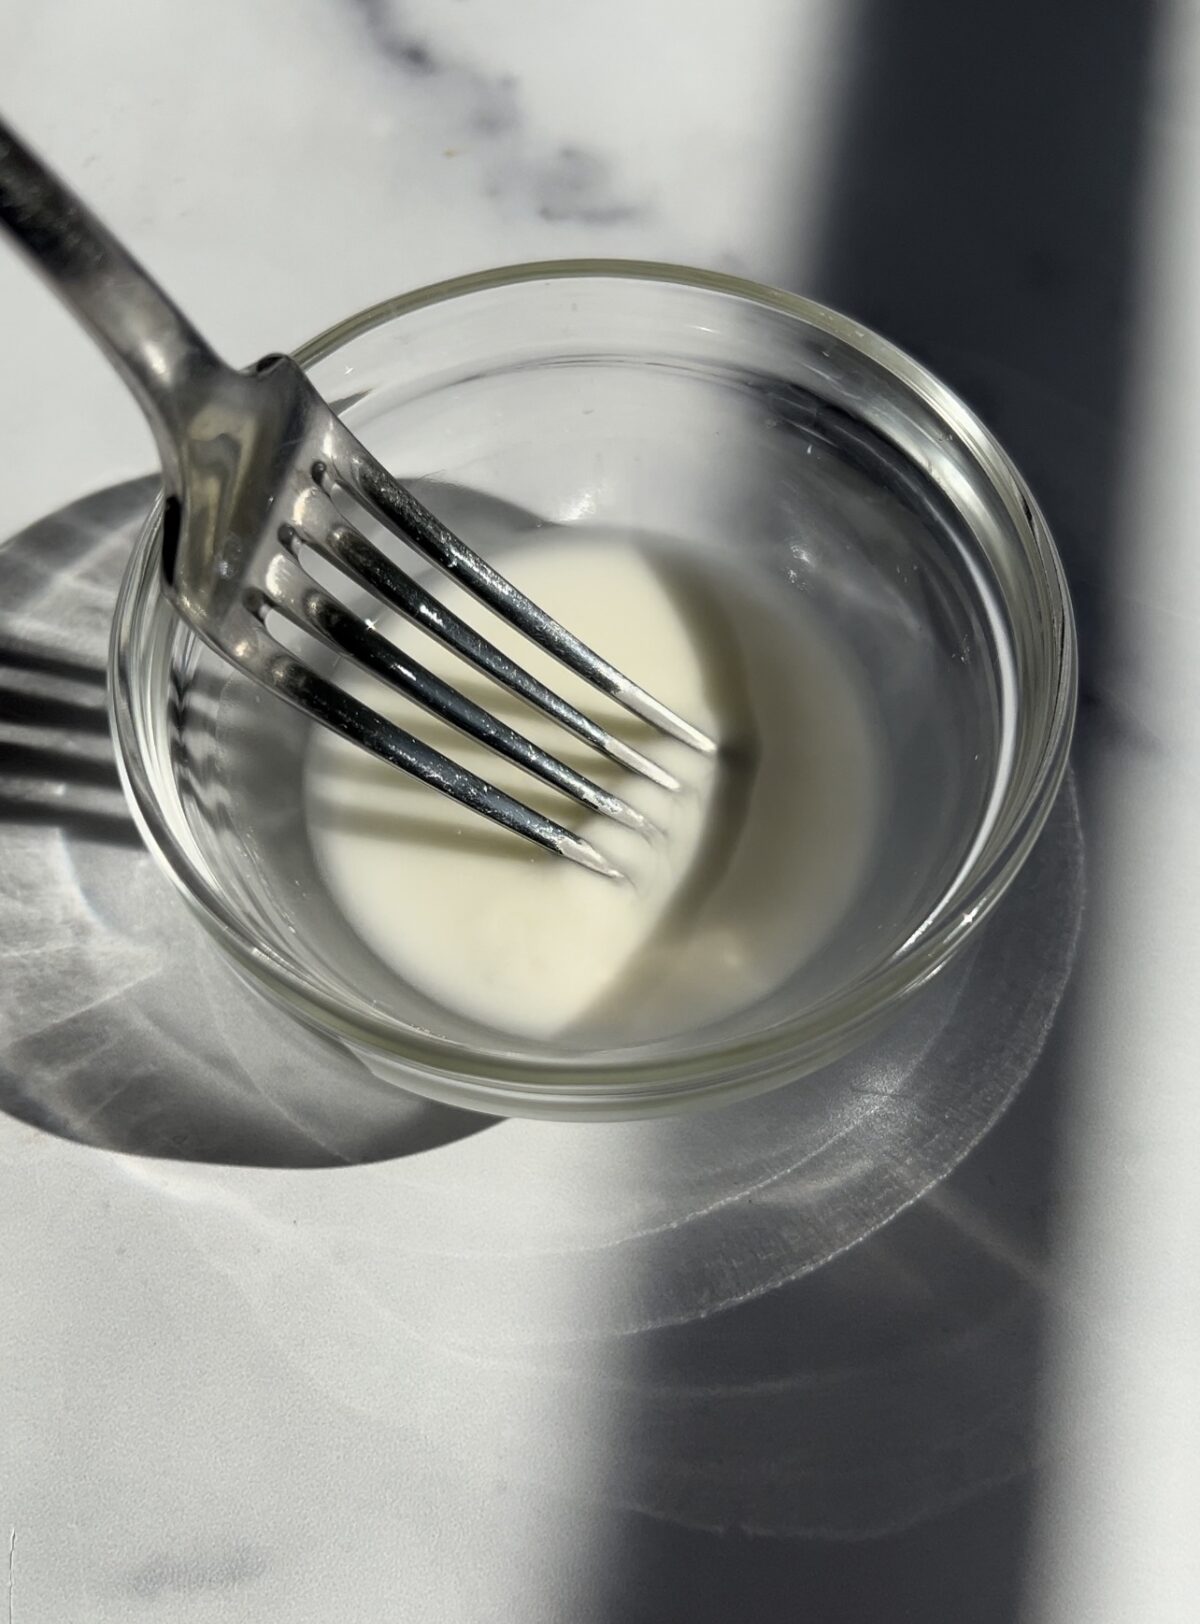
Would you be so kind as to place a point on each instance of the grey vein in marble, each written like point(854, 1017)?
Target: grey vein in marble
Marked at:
point(568, 183)
point(179, 1575)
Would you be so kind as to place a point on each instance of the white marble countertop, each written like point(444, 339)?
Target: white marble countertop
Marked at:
point(504, 1379)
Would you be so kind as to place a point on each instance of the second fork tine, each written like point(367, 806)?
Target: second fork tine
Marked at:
point(370, 483)
point(294, 595)
point(350, 550)
point(356, 722)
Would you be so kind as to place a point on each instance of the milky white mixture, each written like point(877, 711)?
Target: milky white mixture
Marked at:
point(757, 857)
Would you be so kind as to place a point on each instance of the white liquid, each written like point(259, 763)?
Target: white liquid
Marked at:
point(760, 852)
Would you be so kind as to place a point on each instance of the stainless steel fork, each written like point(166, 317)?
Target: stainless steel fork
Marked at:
point(252, 463)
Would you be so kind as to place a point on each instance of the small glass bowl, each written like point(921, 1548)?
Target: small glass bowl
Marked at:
point(724, 415)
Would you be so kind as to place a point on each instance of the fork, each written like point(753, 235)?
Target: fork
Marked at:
point(253, 462)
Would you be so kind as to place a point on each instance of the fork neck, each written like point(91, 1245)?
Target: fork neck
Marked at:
point(151, 343)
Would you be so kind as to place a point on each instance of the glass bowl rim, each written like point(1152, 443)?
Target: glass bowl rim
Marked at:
point(823, 1031)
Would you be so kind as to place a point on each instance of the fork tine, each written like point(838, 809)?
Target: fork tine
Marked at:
point(330, 705)
point(293, 594)
point(350, 549)
point(401, 511)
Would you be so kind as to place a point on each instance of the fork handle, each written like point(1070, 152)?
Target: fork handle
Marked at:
point(152, 344)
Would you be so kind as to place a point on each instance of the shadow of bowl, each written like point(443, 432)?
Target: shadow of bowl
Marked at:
point(121, 1026)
